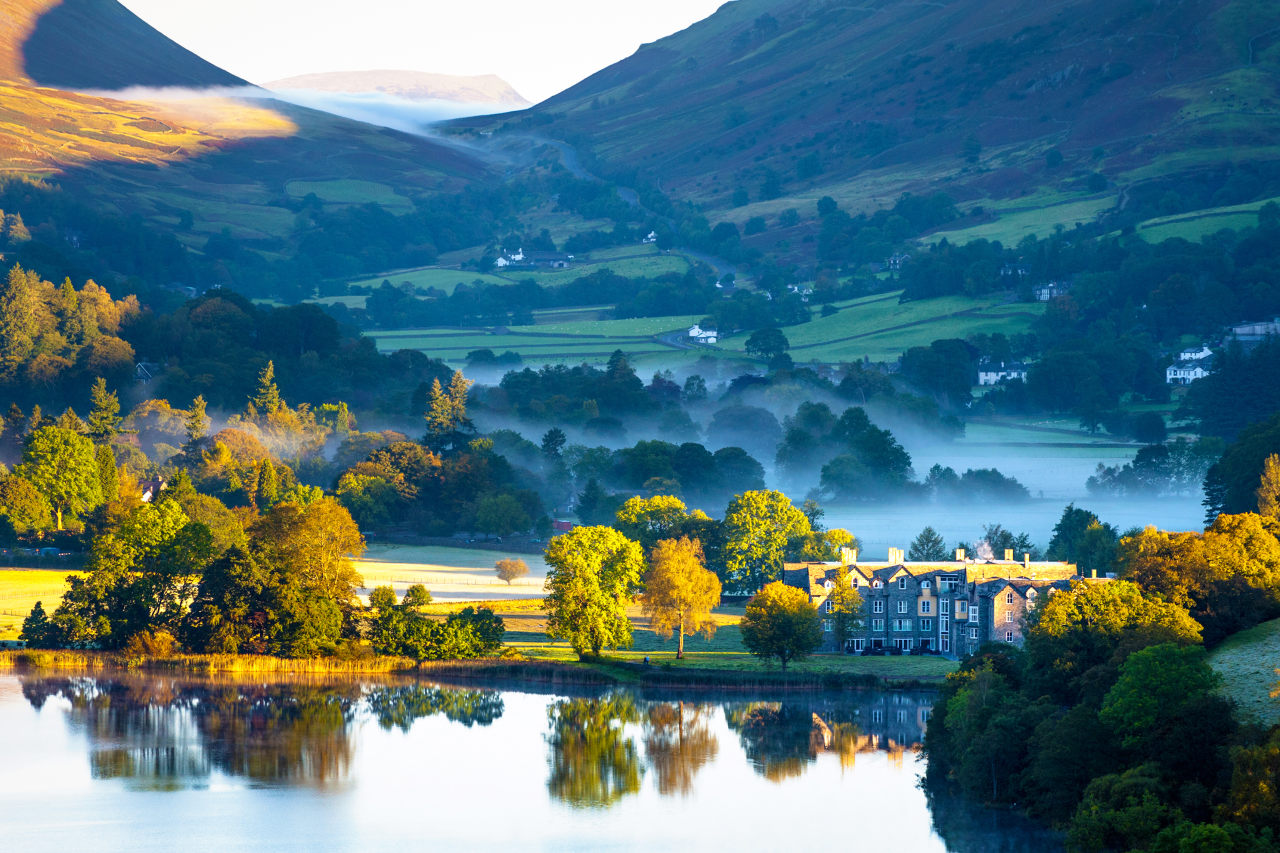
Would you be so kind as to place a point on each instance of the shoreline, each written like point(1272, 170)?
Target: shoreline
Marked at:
point(602, 673)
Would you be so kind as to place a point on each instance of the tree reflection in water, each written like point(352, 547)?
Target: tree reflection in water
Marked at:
point(594, 762)
point(678, 744)
point(163, 734)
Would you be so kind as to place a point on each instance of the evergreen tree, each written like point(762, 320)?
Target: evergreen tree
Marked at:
point(108, 473)
point(928, 547)
point(197, 423)
point(268, 484)
point(17, 320)
point(266, 400)
point(104, 414)
point(70, 421)
point(36, 628)
point(1269, 488)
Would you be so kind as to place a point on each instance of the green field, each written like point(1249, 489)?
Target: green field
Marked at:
point(1036, 215)
point(1248, 664)
point(882, 328)
point(423, 278)
point(350, 191)
point(550, 342)
point(1195, 226)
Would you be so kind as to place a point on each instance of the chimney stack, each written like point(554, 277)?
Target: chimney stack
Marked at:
point(1026, 561)
point(959, 555)
point(849, 556)
point(1008, 555)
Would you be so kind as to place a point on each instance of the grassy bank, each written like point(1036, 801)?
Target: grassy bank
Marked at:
point(1248, 664)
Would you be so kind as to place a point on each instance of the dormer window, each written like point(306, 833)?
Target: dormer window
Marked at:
point(925, 584)
point(902, 583)
point(877, 584)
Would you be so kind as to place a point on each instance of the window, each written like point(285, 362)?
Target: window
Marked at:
point(828, 605)
point(926, 624)
point(901, 625)
point(826, 626)
point(902, 607)
point(1008, 616)
point(944, 623)
point(856, 645)
point(1008, 636)
point(905, 645)
point(925, 584)
point(944, 606)
point(946, 583)
point(973, 633)
point(1008, 598)
point(877, 624)
point(973, 614)
point(877, 606)
point(877, 716)
point(946, 644)
point(962, 607)
point(902, 716)
point(902, 583)
point(877, 584)
point(926, 606)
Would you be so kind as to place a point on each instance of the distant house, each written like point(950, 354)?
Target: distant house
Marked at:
point(652, 238)
point(990, 373)
point(151, 489)
point(145, 371)
point(1051, 290)
point(1195, 354)
point(507, 259)
point(1185, 372)
point(1015, 271)
point(895, 261)
point(703, 336)
point(562, 526)
point(553, 260)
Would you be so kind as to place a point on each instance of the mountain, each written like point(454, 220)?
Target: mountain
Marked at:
point(78, 106)
point(997, 102)
point(409, 85)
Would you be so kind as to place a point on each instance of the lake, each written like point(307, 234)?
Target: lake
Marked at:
point(135, 762)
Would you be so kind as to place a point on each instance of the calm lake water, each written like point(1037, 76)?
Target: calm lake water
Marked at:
point(147, 763)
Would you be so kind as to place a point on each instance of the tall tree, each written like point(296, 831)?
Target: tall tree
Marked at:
point(758, 526)
point(593, 574)
point(446, 413)
point(104, 413)
point(62, 466)
point(1269, 488)
point(197, 421)
point(17, 320)
point(781, 623)
point(511, 569)
point(266, 398)
point(679, 591)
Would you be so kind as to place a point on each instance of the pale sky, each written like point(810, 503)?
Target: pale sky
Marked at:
point(540, 47)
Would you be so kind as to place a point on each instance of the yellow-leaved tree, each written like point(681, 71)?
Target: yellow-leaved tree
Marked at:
point(679, 591)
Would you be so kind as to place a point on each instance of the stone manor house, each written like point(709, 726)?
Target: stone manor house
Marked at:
point(949, 608)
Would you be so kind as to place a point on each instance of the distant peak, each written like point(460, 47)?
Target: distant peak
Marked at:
point(410, 85)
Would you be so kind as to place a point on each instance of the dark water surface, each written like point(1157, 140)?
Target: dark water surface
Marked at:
point(160, 763)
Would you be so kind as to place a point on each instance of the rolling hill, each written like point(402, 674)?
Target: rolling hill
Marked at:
point(989, 100)
point(96, 100)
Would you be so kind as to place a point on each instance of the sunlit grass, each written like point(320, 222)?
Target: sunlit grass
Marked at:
point(1247, 663)
point(20, 589)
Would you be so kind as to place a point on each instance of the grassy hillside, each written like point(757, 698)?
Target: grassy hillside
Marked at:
point(976, 97)
point(1248, 664)
point(231, 163)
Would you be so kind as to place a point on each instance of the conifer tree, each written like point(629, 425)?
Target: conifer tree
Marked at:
point(266, 400)
point(104, 416)
point(197, 423)
point(1269, 488)
point(108, 473)
point(71, 422)
point(17, 321)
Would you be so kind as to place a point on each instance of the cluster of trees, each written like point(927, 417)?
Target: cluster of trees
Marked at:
point(857, 460)
point(1122, 665)
point(1177, 467)
point(847, 240)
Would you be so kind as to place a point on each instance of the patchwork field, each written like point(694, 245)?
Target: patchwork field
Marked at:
point(1029, 215)
point(1248, 664)
point(1195, 226)
point(350, 191)
point(450, 574)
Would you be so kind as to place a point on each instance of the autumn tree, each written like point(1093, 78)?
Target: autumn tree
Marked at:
point(266, 398)
point(511, 569)
point(844, 607)
point(648, 520)
point(62, 466)
point(593, 574)
point(23, 506)
point(758, 527)
point(679, 591)
point(17, 320)
point(781, 623)
point(196, 425)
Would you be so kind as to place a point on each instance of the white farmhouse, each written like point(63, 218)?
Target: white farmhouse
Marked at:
point(990, 373)
point(703, 336)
